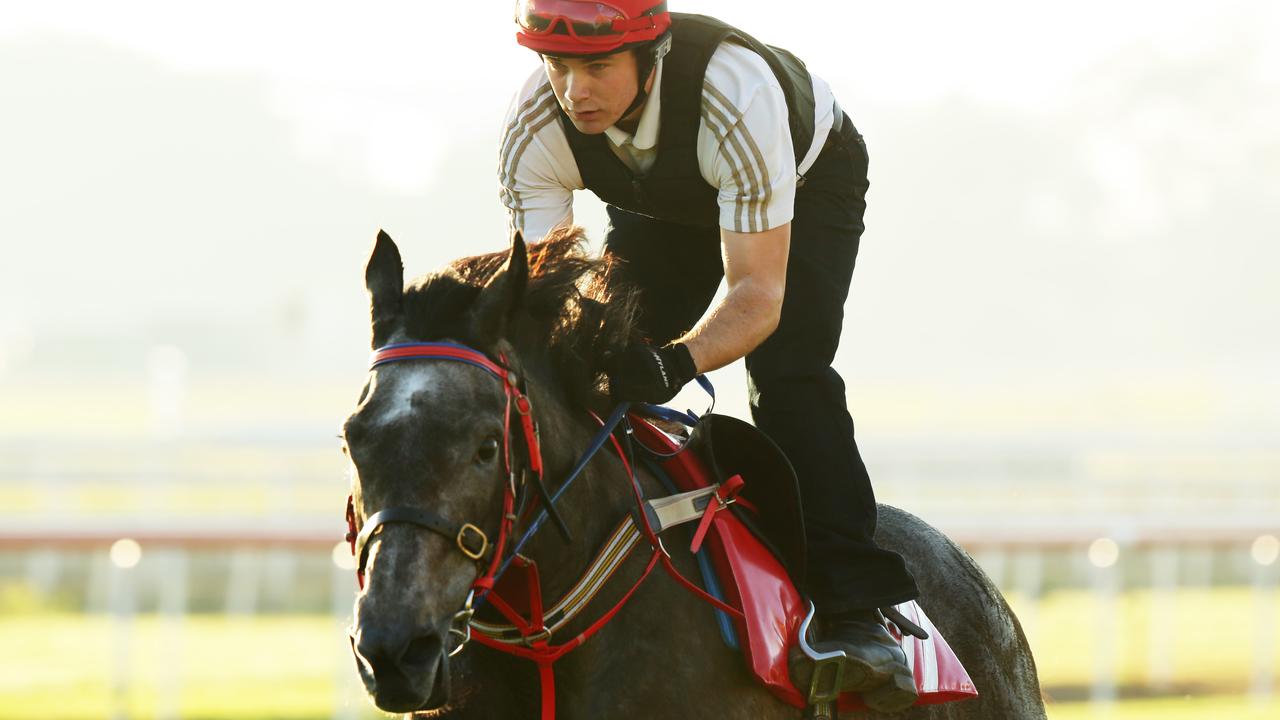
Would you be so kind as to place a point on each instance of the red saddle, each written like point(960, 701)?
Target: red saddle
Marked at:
point(757, 582)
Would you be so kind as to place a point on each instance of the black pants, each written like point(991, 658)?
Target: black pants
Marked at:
point(796, 397)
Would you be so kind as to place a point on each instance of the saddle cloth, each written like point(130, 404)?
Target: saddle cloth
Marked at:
point(754, 580)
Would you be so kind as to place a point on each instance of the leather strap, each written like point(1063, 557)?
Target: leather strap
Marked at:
point(469, 538)
point(725, 493)
point(905, 626)
point(437, 351)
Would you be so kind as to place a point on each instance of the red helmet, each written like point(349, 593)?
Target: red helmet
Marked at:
point(588, 27)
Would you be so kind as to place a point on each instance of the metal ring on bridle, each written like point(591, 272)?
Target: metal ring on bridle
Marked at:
point(460, 625)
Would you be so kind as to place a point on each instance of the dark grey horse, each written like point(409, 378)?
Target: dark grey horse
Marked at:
point(429, 434)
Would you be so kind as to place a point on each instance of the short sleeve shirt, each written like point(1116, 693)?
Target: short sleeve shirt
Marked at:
point(744, 147)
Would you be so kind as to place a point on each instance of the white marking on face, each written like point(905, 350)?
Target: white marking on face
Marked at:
point(398, 388)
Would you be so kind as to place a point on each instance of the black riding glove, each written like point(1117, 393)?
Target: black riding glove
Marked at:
point(644, 373)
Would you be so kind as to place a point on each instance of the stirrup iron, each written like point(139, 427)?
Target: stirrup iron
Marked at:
point(828, 667)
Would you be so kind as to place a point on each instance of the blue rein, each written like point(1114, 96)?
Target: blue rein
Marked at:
point(689, 419)
point(597, 442)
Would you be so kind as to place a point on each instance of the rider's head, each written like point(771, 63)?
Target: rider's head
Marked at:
point(599, 56)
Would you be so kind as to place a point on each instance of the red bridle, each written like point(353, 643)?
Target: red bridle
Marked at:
point(536, 638)
point(516, 398)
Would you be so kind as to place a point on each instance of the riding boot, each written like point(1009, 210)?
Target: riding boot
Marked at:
point(875, 664)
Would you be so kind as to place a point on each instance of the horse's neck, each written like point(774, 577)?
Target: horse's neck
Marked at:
point(637, 666)
point(592, 508)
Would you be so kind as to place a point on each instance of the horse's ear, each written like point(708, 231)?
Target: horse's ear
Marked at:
point(502, 296)
point(384, 279)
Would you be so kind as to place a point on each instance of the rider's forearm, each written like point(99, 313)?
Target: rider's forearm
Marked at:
point(746, 316)
point(755, 269)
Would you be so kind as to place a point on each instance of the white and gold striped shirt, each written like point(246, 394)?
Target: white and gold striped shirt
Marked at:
point(744, 147)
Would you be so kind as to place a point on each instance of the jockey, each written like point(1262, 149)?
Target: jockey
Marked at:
point(719, 156)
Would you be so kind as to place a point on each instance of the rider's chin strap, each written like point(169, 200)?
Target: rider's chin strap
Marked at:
point(647, 64)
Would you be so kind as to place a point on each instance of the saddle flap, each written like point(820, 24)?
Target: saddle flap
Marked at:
point(754, 579)
point(733, 447)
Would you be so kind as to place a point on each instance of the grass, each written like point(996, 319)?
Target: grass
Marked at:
point(298, 666)
point(1206, 639)
point(226, 667)
point(1230, 707)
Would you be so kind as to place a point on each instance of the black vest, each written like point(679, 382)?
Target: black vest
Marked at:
point(674, 189)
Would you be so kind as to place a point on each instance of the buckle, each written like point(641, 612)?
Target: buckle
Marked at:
point(523, 406)
point(462, 541)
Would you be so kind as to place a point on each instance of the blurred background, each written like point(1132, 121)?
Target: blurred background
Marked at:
point(1060, 345)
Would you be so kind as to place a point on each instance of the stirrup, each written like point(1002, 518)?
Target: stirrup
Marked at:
point(828, 667)
point(821, 711)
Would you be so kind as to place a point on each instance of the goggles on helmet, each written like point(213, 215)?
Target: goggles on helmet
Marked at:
point(567, 22)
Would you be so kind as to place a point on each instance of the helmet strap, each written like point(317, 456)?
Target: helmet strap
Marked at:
point(646, 61)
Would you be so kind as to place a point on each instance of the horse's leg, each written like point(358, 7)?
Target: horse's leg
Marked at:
point(974, 618)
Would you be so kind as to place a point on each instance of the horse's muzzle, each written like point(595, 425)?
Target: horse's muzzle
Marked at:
point(403, 671)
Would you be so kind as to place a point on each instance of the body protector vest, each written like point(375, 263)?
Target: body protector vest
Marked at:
point(674, 189)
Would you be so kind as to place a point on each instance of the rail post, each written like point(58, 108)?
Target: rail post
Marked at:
point(1265, 550)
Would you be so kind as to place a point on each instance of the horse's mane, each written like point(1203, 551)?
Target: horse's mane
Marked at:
point(574, 310)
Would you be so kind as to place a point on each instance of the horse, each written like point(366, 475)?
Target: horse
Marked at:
point(438, 442)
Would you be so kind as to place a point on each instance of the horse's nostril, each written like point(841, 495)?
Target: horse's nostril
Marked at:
point(375, 652)
point(422, 652)
point(388, 652)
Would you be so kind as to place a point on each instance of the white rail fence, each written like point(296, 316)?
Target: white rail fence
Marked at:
point(261, 560)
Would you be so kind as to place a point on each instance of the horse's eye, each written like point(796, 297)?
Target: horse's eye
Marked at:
point(487, 452)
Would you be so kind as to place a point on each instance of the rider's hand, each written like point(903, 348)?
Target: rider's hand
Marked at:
point(644, 373)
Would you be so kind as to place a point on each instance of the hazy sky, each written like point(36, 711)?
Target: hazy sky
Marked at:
point(1069, 196)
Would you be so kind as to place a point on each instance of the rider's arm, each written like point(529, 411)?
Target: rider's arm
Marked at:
point(536, 171)
point(745, 150)
point(755, 270)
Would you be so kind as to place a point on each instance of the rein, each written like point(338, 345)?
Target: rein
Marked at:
point(530, 638)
